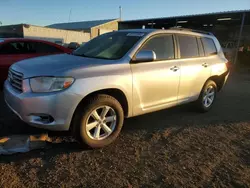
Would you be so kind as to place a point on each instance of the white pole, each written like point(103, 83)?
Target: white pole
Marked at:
point(239, 37)
point(120, 12)
point(68, 22)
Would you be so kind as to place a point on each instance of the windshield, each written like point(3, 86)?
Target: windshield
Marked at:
point(109, 46)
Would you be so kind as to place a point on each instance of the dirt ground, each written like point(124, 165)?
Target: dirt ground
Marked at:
point(171, 148)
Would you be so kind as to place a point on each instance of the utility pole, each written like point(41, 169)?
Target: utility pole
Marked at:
point(239, 37)
point(69, 15)
point(68, 22)
point(120, 8)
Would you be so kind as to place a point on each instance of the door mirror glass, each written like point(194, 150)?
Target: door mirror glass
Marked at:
point(145, 56)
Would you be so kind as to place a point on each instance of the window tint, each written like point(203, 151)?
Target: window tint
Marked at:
point(163, 46)
point(14, 48)
point(201, 49)
point(209, 46)
point(188, 46)
point(40, 47)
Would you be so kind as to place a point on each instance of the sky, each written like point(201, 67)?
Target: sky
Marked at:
point(46, 12)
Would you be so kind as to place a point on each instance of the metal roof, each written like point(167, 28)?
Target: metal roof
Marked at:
point(191, 15)
point(80, 25)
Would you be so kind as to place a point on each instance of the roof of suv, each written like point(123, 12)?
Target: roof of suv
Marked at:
point(174, 30)
point(139, 30)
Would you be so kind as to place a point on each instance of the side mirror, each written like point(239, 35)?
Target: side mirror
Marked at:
point(73, 45)
point(145, 56)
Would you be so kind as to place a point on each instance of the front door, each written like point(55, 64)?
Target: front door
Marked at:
point(155, 84)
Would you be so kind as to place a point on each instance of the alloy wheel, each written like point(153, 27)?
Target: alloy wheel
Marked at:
point(101, 122)
point(208, 97)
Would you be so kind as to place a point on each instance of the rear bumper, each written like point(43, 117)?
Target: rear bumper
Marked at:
point(30, 106)
point(225, 75)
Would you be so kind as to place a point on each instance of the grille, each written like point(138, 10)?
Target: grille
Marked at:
point(15, 78)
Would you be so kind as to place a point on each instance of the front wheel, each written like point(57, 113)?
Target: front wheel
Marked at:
point(207, 96)
point(99, 122)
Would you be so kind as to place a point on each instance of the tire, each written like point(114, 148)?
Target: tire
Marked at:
point(86, 116)
point(201, 103)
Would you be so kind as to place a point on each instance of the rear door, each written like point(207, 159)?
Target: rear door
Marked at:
point(195, 67)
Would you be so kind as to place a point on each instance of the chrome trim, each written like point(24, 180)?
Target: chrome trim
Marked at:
point(15, 78)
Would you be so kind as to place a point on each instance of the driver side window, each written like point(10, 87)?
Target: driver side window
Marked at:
point(162, 45)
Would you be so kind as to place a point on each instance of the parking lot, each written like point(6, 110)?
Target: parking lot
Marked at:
point(171, 148)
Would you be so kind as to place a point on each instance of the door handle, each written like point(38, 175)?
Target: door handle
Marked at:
point(205, 65)
point(175, 68)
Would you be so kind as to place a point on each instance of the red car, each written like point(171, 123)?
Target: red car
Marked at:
point(17, 49)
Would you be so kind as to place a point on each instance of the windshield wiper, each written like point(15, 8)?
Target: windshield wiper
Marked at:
point(94, 57)
point(81, 55)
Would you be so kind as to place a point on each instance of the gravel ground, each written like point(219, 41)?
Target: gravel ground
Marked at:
point(171, 148)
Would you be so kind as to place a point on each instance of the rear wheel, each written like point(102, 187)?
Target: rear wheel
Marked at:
point(99, 122)
point(207, 96)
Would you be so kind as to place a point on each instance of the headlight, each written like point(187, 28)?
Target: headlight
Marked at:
point(50, 84)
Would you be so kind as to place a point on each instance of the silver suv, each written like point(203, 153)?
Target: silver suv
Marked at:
point(119, 74)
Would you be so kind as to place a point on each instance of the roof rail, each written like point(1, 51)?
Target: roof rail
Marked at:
point(192, 30)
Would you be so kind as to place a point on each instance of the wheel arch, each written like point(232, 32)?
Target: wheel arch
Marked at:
point(219, 80)
point(118, 94)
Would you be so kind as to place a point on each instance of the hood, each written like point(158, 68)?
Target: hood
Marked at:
point(55, 65)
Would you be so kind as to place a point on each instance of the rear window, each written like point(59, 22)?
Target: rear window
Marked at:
point(188, 46)
point(209, 46)
point(14, 48)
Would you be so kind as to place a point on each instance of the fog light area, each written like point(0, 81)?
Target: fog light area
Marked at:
point(42, 118)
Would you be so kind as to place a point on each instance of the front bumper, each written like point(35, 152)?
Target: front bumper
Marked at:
point(29, 106)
